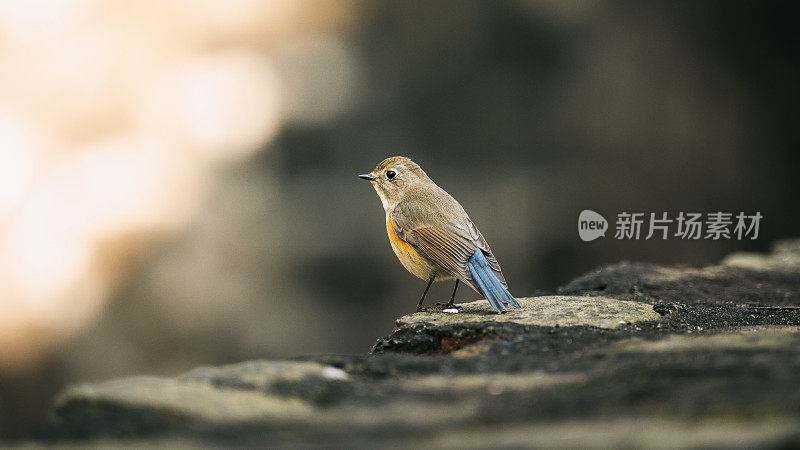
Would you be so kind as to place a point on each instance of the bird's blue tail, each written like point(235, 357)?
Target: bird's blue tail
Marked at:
point(487, 282)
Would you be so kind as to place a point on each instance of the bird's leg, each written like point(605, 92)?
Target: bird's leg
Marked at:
point(419, 307)
point(452, 302)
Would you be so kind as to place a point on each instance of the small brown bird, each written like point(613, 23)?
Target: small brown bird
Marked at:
point(432, 235)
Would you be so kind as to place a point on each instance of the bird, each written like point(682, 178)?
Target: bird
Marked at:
point(432, 235)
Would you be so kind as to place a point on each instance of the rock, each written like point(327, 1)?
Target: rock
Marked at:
point(785, 257)
point(626, 433)
point(239, 393)
point(742, 279)
point(480, 327)
point(645, 356)
point(550, 311)
point(178, 400)
point(308, 381)
point(773, 338)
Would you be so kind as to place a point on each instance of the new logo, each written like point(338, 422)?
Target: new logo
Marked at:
point(591, 225)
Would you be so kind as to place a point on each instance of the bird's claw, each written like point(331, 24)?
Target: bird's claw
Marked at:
point(443, 306)
point(440, 307)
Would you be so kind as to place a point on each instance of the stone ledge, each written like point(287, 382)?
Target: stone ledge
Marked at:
point(749, 279)
point(551, 311)
point(641, 356)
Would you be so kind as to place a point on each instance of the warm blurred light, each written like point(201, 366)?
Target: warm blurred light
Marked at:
point(215, 19)
point(115, 117)
point(18, 157)
point(222, 106)
point(31, 18)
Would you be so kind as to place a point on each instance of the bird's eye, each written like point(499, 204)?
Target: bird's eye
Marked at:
point(390, 174)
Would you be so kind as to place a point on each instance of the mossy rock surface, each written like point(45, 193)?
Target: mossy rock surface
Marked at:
point(629, 355)
point(546, 311)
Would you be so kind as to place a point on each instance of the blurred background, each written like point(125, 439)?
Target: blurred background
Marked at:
point(177, 177)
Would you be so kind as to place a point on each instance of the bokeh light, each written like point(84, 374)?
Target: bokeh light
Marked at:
point(115, 119)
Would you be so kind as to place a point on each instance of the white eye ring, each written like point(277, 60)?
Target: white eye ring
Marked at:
point(390, 174)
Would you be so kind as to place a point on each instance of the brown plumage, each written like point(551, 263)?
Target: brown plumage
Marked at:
point(429, 231)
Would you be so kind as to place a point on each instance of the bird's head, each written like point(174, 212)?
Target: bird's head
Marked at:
point(393, 177)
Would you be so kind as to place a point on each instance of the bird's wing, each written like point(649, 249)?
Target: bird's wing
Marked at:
point(450, 245)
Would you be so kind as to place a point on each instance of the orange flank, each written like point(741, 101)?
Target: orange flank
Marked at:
point(408, 255)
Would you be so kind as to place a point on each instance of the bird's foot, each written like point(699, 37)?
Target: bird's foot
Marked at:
point(445, 306)
point(439, 307)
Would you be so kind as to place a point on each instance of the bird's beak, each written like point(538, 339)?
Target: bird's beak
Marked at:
point(367, 176)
